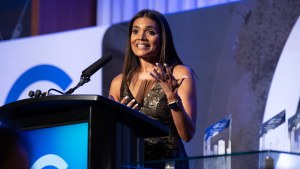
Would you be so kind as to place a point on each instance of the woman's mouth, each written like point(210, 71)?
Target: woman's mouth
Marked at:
point(143, 46)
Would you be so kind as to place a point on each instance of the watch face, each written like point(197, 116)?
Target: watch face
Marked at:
point(174, 105)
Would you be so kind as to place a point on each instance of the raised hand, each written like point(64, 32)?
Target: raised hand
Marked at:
point(163, 75)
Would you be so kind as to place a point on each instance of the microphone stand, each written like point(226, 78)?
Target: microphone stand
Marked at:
point(83, 79)
point(88, 72)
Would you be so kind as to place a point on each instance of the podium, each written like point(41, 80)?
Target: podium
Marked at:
point(115, 131)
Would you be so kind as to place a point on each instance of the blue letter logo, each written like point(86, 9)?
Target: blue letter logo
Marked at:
point(50, 160)
point(38, 73)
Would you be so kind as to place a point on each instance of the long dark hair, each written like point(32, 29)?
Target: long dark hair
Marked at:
point(167, 53)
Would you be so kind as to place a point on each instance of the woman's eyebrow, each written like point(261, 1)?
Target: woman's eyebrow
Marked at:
point(147, 27)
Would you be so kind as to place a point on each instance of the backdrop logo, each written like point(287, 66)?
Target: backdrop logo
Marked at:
point(35, 74)
point(50, 160)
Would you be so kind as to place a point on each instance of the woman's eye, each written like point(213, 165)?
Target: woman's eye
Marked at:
point(134, 31)
point(152, 32)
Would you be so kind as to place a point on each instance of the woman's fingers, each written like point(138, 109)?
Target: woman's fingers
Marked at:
point(161, 67)
point(136, 107)
point(155, 73)
point(123, 101)
point(154, 76)
point(162, 73)
point(168, 69)
point(132, 103)
point(179, 82)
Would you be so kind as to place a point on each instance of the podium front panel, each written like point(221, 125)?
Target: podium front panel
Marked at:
point(63, 146)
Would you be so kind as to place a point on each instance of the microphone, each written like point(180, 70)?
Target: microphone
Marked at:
point(89, 71)
point(37, 93)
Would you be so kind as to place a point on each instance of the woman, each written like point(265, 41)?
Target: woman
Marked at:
point(155, 82)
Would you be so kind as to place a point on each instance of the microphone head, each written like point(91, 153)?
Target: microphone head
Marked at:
point(31, 93)
point(38, 93)
point(88, 72)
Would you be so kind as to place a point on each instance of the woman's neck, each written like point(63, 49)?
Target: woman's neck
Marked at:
point(146, 66)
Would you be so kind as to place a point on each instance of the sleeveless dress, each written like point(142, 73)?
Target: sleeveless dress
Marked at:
point(153, 103)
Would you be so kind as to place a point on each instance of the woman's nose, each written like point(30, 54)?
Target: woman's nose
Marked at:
point(142, 36)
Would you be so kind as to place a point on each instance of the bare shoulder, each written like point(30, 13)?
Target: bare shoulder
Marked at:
point(117, 80)
point(115, 85)
point(182, 70)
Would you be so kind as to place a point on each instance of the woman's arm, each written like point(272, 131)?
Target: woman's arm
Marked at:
point(180, 86)
point(114, 90)
point(185, 116)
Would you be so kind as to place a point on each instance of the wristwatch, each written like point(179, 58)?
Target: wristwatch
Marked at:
point(174, 104)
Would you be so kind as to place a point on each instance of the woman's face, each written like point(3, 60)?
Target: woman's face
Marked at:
point(145, 38)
